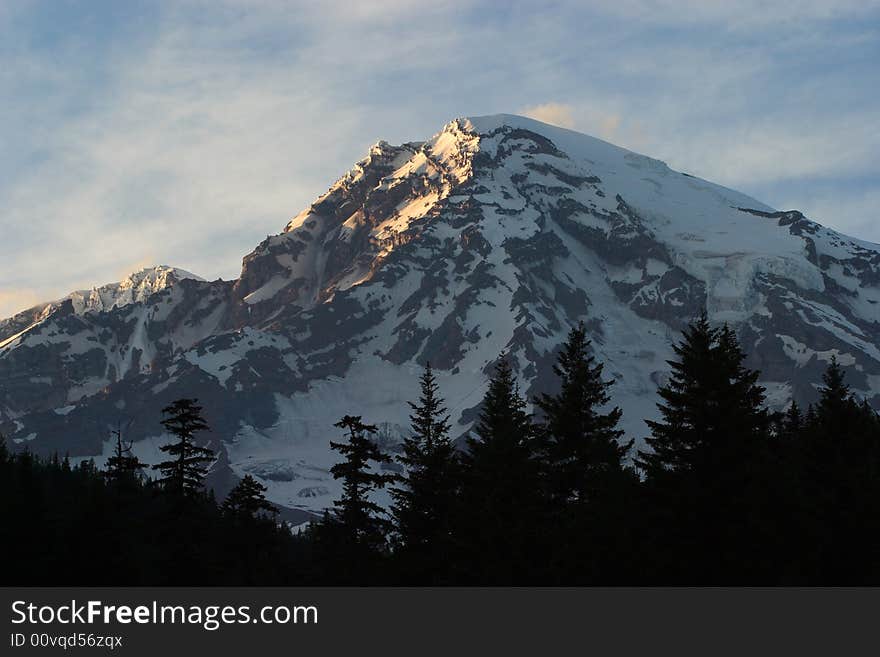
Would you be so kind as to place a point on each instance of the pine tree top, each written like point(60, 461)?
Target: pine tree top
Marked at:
point(248, 498)
point(711, 405)
point(184, 417)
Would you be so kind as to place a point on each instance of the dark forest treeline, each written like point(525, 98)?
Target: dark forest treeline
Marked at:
point(726, 492)
point(66, 524)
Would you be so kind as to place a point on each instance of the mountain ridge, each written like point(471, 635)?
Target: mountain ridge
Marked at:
point(135, 287)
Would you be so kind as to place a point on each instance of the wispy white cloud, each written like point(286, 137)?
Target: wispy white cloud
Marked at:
point(589, 119)
point(559, 114)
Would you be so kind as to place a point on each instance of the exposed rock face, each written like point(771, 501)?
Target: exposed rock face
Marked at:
point(499, 233)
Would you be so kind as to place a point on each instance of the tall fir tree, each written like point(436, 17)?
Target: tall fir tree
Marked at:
point(497, 524)
point(581, 441)
point(425, 498)
point(709, 469)
point(184, 472)
point(841, 456)
point(590, 489)
point(712, 409)
point(359, 523)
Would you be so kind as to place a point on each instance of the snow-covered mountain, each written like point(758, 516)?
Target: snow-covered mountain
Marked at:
point(498, 233)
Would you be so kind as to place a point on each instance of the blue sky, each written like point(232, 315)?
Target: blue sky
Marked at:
point(136, 133)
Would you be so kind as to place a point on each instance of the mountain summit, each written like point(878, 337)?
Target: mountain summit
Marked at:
point(499, 233)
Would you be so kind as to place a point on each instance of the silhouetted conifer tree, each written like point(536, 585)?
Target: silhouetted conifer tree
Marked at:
point(580, 439)
point(708, 470)
point(842, 485)
point(185, 471)
point(711, 408)
point(248, 499)
point(358, 528)
point(497, 524)
point(589, 487)
point(123, 466)
point(425, 499)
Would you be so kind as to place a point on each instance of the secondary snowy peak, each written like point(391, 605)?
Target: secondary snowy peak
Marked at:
point(134, 288)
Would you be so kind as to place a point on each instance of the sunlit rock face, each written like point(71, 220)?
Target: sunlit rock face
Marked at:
point(497, 234)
